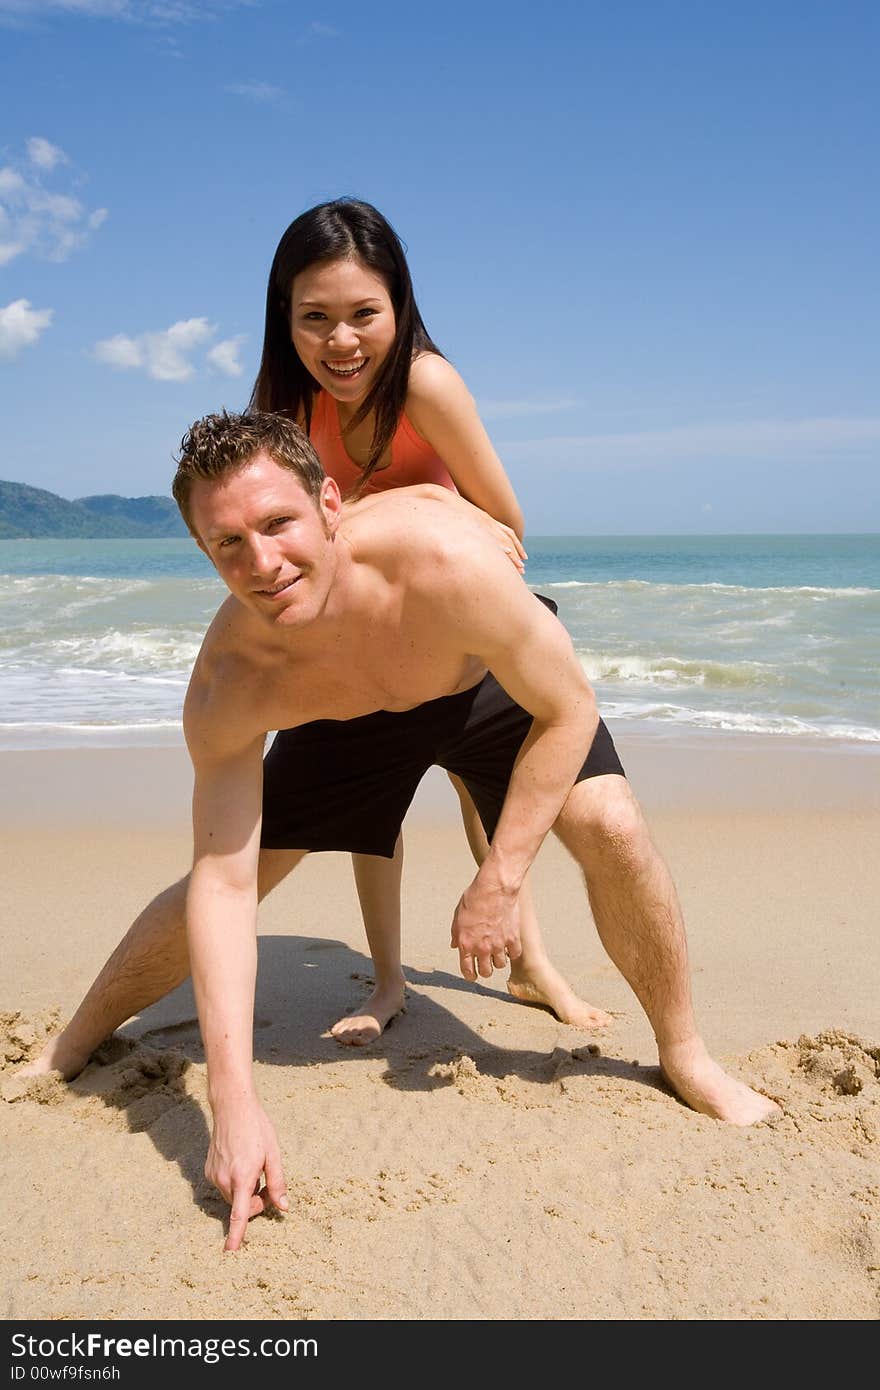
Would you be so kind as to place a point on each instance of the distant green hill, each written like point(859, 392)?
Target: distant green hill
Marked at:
point(29, 512)
point(155, 516)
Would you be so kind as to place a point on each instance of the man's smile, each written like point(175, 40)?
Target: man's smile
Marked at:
point(275, 590)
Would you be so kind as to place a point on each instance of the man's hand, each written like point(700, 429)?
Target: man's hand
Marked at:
point(485, 929)
point(243, 1148)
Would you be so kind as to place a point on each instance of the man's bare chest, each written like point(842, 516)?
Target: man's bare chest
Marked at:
point(376, 671)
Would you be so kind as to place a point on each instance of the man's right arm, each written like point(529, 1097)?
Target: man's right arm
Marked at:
point(221, 932)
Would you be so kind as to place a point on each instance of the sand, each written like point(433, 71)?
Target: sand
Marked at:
point(481, 1161)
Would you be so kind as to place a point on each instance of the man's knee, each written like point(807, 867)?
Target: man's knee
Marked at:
point(601, 815)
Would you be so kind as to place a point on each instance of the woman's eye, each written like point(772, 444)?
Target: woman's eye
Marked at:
point(313, 316)
point(365, 313)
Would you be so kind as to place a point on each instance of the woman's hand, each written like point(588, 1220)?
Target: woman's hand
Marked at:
point(507, 538)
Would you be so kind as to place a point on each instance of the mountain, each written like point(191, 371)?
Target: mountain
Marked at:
point(28, 512)
point(155, 516)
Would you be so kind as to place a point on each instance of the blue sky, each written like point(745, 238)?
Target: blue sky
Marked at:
point(646, 234)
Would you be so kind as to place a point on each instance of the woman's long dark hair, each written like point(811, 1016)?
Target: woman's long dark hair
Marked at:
point(343, 229)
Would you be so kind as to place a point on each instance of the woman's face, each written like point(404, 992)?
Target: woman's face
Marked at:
point(342, 325)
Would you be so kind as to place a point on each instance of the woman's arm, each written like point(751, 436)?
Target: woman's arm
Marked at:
point(442, 410)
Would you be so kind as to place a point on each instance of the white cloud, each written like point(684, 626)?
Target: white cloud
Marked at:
point(21, 326)
point(46, 221)
point(9, 250)
point(263, 93)
point(18, 12)
point(317, 30)
point(498, 410)
point(120, 351)
point(44, 154)
point(167, 352)
point(756, 440)
point(166, 355)
point(224, 356)
point(12, 185)
point(153, 12)
point(58, 207)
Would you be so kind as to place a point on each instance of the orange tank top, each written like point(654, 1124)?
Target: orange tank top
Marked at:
point(412, 458)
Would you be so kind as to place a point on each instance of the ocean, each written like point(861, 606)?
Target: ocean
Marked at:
point(776, 635)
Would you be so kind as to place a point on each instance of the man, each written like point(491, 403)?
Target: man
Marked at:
point(367, 636)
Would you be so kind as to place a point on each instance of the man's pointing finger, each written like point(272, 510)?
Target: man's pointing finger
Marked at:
point(245, 1204)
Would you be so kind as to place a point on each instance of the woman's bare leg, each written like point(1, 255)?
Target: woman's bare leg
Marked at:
point(150, 960)
point(533, 977)
point(378, 886)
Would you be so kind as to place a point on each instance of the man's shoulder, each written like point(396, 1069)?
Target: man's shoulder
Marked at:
point(405, 527)
point(444, 567)
point(424, 551)
point(219, 710)
point(225, 642)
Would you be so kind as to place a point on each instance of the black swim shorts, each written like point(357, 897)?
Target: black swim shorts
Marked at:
point(347, 784)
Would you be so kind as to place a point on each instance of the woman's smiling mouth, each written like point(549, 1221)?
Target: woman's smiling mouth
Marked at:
point(348, 369)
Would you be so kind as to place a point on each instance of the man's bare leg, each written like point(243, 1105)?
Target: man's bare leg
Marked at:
point(150, 961)
point(533, 977)
point(378, 886)
point(636, 910)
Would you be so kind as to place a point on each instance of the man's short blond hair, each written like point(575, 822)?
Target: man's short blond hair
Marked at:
point(220, 444)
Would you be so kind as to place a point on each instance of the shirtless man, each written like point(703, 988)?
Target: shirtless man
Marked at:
point(388, 618)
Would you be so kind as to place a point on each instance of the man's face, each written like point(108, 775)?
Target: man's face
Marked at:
point(270, 542)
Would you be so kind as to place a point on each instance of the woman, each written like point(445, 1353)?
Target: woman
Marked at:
point(346, 354)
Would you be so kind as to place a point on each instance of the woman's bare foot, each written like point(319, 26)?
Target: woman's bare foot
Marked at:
point(542, 984)
point(706, 1087)
point(357, 1030)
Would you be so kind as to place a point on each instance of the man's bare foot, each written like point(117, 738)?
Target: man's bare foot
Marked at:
point(542, 984)
point(706, 1087)
point(357, 1030)
point(58, 1055)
